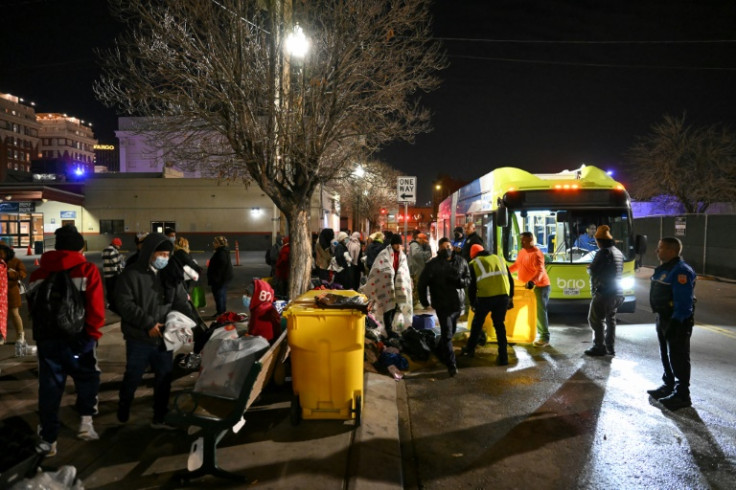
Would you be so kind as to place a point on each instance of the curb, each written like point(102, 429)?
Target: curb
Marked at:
point(375, 452)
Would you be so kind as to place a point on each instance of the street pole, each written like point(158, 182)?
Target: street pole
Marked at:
point(406, 221)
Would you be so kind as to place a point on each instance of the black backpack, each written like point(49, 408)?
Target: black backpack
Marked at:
point(57, 306)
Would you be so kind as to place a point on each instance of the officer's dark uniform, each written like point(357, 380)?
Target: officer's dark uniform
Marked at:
point(491, 288)
point(672, 300)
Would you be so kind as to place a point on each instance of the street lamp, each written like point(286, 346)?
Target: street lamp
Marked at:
point(358, 173)
point(297, 43)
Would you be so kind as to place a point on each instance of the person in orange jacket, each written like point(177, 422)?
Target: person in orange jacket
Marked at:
point(530, 267)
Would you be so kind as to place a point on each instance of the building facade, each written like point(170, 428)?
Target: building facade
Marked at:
point(19, 135)
point(68, 139)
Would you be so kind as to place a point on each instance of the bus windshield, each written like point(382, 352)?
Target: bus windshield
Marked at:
point(567, 236)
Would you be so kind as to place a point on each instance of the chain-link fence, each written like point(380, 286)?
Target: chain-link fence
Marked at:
point(708, 241)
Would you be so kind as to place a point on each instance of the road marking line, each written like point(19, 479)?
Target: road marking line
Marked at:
point(722, 331)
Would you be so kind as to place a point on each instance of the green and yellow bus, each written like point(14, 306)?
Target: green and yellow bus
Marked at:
point(557, 209)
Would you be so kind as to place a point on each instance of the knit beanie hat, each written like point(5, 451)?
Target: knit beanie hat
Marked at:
point(68, 238)
point(395, 239)
point(603, 233)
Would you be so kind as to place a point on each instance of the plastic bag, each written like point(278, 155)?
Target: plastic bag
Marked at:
point(178, 330)
point(226, 363)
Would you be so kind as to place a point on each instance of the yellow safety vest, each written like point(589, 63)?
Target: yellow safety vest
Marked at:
point(491, 275)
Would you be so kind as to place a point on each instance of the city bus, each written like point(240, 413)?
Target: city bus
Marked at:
point(557, 209)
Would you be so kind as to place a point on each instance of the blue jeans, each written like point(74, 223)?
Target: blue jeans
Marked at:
point(542, 296)
point(220, 294)
point(138, 355)
point(56, 361)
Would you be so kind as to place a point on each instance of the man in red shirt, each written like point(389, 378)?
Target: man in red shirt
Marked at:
point(530, 267)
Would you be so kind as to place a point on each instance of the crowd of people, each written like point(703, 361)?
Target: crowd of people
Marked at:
point(155, 280)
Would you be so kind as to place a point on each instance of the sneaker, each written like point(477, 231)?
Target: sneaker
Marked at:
point(675, 402)
point(162, 426)
point(2, 340)
point(87, 430)
point(48, 447)
point(596, 351)
point(610, 351)
point(661, 392)
point(540, 343)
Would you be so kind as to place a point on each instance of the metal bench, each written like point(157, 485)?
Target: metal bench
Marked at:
point(216, 415)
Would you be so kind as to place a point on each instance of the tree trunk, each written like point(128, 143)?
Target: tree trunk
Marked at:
point(300, 239)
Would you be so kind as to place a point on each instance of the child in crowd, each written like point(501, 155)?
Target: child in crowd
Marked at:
point(265, 319)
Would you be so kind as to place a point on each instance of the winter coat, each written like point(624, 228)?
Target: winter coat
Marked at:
point(372, 251)
point(141, 297)
point(181, 268)
point(112, 262)
point(355, 248)
point(446, 280)
point(418, 257)
point(220, 270)
point(264, 320)
point(472, 239)
point(283, 264)
point(85, 276)
point(344, 277)
point(16, 272)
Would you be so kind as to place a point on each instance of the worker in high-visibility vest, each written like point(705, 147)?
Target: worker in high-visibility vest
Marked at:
point(491, 291)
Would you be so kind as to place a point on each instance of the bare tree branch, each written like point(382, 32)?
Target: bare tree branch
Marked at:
point(697, 166)
point(217, 72)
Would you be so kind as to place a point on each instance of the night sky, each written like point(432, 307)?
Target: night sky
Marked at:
point(543, 85)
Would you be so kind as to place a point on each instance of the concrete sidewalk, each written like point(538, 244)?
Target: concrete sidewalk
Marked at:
point(269, 452)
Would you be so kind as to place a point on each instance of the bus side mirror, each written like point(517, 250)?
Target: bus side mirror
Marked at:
point(502, 215)
point(640, 244)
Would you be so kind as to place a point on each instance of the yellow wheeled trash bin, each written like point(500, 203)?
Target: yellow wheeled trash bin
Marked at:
point(327, 352)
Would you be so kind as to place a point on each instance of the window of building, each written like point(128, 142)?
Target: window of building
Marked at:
point(113, 226)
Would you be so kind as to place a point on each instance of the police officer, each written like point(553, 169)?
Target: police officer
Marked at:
point(673, 303)
point(491, 289)
point(605, 286)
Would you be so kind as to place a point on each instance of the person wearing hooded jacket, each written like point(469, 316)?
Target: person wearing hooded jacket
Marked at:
point(219, 274)
point(344, 261)
point(143, 303)
point(265, 319)
point(323, 253)
point(60, 356)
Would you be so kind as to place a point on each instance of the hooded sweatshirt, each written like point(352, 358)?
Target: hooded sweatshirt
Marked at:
point(264, 318)
point(141, 298)
point(85, 276)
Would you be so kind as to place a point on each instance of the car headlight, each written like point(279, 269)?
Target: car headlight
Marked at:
point(627, 283)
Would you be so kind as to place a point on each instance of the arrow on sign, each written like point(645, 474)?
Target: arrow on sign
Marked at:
point(404, 196)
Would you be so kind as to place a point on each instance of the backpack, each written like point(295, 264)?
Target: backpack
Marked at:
point(57, 306)
point(272, 254)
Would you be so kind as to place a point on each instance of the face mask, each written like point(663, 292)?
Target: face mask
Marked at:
point(160, 262)
point(445, 253)
point(246, 302)
point(172, 239)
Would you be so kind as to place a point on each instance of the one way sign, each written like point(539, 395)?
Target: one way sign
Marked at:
point(407, 190)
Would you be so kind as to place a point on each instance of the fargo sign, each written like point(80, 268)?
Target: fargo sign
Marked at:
point(406, 189)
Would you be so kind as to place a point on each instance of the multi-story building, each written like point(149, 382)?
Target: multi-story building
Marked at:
point(107, 158)
point(19, 135)
point(68, 139)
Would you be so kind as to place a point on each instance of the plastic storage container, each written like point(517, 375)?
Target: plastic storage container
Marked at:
point(327, 352)
point(521, 320)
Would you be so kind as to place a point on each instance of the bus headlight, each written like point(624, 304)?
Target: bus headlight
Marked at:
point(627, 283)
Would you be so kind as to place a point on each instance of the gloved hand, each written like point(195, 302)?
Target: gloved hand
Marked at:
point(530, 285)
point(511, 304)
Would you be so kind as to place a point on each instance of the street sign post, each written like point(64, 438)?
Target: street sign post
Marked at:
point(406, 192)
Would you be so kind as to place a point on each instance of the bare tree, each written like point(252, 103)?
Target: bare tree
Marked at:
point(219, 67)
point(695, 165)
point(365, 195)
